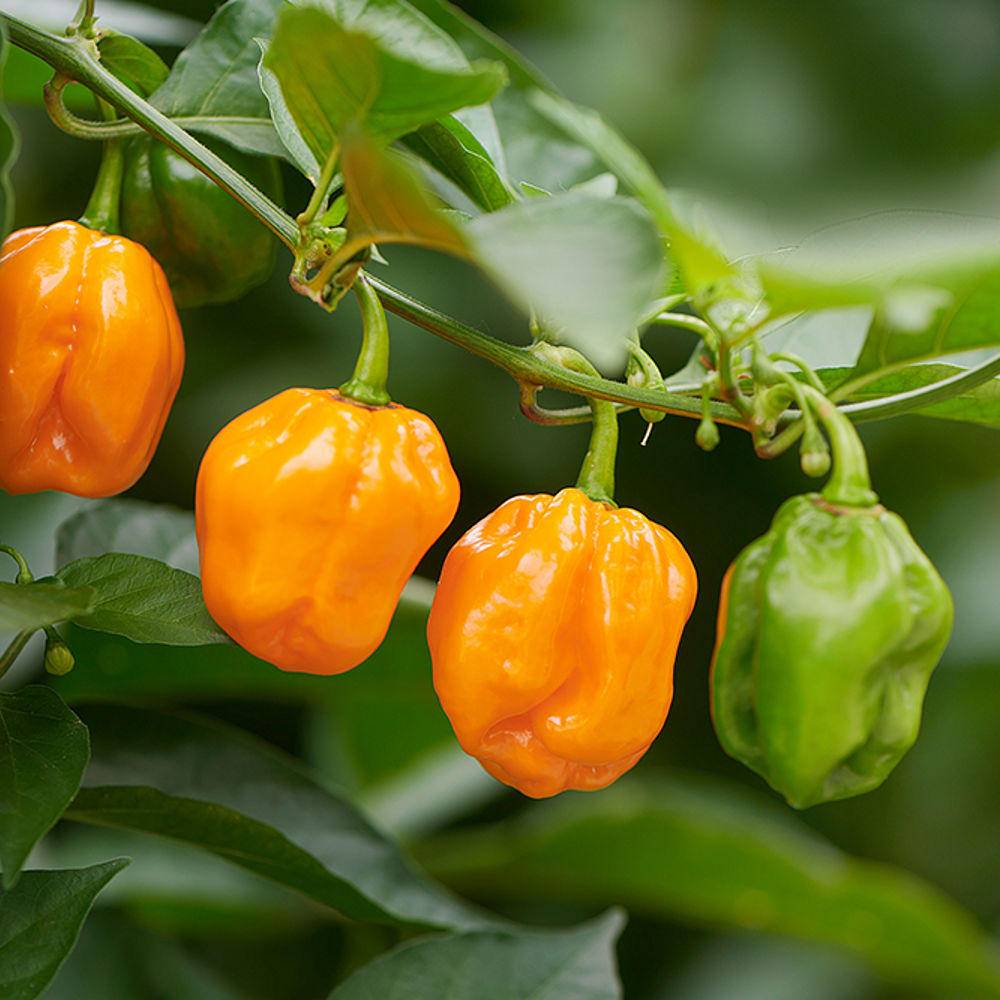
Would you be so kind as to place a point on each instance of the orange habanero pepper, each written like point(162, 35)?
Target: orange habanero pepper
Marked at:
point(312, 512)
point(91, 356)
point(553, 635)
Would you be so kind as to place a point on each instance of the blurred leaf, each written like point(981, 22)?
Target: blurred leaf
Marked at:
point(329, 75)
point(394, 676)
point(386, 202)
point(590, 266)
point(700, 853)
point(153, 26)
point(914, 323)
point(215, 78)
point(531, 965)
point(134, 526)
point(118, 960)
point(44, 602)
point(42, 915)
point(8, 151)
point(200, 783)
point(136, 65)
point(144, 600)
point(979, 405)
point(44, 749)
point(451, 149)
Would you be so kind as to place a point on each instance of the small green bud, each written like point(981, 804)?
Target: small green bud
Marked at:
point(815, 456)
point(58, 658)
point(707, 435)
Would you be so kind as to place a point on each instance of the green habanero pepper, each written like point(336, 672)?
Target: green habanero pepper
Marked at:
point(210, 247)
point(829, 628)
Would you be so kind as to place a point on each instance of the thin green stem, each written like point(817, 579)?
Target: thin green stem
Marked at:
point(317, 202)
point(793, 359)
point(367, 384)
point(686, 322)
point(102, 208)
point(11, 653)
point(23, 573)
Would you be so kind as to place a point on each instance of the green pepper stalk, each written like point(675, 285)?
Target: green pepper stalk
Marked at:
point(367, 384)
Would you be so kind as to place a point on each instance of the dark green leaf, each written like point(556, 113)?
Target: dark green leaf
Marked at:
point(133, 526)
point(298, 152)
point(329, 75)
point(136, 65)
point(590, 266)
point(144, 600)
point(215, 78)
point(704, 854)
point(44, 749)
point(8, 151)
point(212, 787)
point(42, 917)
point(917, 322)
point(457, 154)
point(531, 965)
point(44, 602)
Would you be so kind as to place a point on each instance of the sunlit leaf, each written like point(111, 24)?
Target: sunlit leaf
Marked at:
point(44, 749)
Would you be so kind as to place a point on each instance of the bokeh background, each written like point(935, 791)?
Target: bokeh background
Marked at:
point(781, 117)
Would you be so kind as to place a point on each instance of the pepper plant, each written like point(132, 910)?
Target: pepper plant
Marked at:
point(241, 698)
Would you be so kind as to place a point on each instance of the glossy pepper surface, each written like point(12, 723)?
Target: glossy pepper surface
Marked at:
point(210, 247)
point(312, 512)
point(91, 356)
point(553, 635)
point(829, 628)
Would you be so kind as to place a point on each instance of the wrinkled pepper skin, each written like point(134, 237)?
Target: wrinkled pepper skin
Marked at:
point(91, 356)
point(829, 628)
point(210, 247)
point(312, 512)
point(553, 635)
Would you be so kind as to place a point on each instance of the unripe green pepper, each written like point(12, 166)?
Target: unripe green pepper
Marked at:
point(210, 247)
point(829, 628)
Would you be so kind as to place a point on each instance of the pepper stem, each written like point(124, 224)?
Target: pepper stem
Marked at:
point(849, 484)
point(23, 573)
point(102, 209)
point(367, 384)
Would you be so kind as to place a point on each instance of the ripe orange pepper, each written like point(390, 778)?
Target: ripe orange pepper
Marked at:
point(553, 635)
point(91, 355)
point(312, 512)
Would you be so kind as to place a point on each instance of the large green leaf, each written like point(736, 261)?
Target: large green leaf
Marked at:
point(135, 64)
point(137, 527)
point(701, 853)
point(529, 965)
point(215, 79)
point(144, 600)
point(8, 150)
point(215, 788)
point(590, 266)
point(42, 916)
point(26, 606)
point(330, 75)
point(44, 749)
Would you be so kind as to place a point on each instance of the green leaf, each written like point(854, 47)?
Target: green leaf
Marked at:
point(8, 152)
point(395, 674)
point(590, 266)
point(200, 783)
point(705, 854)
point(137, 527)
point(33, 605)
point(144, 600)
point(451, 149)
point(918, 322)
point(42, 917)
point(530, 965)
point(387, 203)
point(136, 65)
point(298, 152)
point(215, 78)
point(44, 749)
point(329, 75)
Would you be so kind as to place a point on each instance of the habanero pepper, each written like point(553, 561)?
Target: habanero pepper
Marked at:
point(829, 628)
point(91, 357)
point(312, 511)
